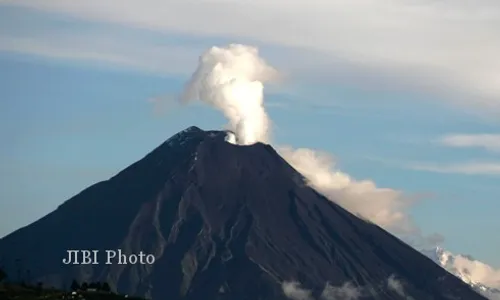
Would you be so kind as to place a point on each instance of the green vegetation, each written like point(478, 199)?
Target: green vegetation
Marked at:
point(92, 291)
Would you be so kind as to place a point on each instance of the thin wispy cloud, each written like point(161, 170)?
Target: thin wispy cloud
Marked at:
point(471, 166)
point(489, 142)
point(440, 46)
point(466, 168)
point(487, 168)
point(100, 50)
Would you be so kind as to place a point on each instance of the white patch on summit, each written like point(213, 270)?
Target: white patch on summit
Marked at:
point(181, 137)
point(230, 137)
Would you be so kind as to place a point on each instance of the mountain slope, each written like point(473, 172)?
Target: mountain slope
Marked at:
point(224, 222)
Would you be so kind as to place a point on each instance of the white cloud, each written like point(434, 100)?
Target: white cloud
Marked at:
point(395, 285)
point(446, 46)
point(294, 291)
point(347, 291)
point(468, 269)
point(386, 207)
point(490, 142)
point(477, 271)
point(466, 168)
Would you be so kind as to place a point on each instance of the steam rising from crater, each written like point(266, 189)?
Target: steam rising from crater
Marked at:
point(232, 80)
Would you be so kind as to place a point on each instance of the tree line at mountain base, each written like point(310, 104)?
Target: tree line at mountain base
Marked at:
point(20, 290)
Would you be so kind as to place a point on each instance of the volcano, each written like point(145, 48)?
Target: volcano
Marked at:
point(223, 222)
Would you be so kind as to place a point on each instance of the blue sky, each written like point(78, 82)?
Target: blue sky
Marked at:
point(75, 90)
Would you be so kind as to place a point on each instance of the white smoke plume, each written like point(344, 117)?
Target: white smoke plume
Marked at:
point(232, 79)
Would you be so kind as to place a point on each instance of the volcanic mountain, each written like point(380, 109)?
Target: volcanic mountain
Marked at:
point(224, 222)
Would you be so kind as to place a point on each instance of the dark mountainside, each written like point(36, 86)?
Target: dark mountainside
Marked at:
point(224, 222)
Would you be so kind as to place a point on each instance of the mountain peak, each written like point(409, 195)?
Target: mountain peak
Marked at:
point(183, 135)
point(192, 128)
